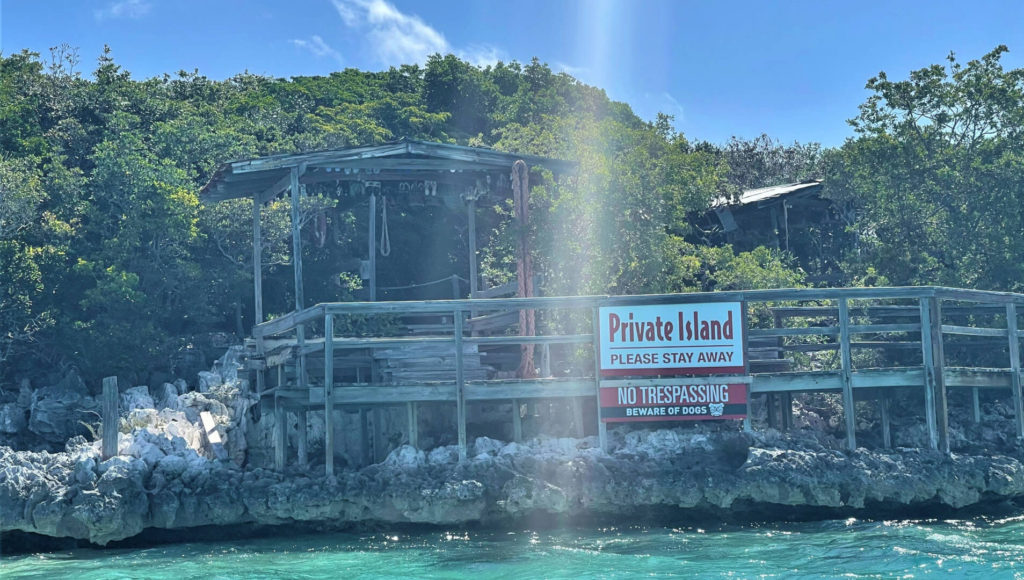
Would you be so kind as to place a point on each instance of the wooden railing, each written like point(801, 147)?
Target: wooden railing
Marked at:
point(849, 340)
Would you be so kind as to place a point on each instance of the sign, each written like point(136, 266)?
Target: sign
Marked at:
point(694, 339)
point(673, 402)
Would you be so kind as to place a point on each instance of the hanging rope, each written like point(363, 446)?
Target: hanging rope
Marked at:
point(385, 236)
point(524, 264)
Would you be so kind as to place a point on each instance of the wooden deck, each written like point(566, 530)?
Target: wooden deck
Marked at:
point(859, 343)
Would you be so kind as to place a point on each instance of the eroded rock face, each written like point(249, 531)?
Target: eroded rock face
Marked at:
point(161, 482)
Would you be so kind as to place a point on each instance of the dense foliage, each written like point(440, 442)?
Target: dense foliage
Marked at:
point(110, 263)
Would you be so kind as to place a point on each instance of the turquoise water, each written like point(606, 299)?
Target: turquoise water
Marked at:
point(981, 548)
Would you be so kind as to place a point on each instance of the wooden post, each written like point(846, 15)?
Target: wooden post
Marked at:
point(111, 418)
point(257, 260)
point(303, 436)
point(847, 373)
point(787, 410)
point(886, 421)
point(517, 421)
point(934, 370)
point(976, 404)
point(297, 239)
point(1015, 364)
point(460, 387)
point(412, 414)
point(373, 248)
point(455, 287)
point(602, 427)
point(379, 442)
point(927, 339)
point(280, 434)
point(769, 405)
point(329, 394)
point(364, 435)
point(474, 283)
point(577, 416)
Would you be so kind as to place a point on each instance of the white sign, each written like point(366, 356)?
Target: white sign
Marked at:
point(699, 339)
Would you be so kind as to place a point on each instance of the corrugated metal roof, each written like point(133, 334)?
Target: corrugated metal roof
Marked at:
point(764, 194)
point(246, 177)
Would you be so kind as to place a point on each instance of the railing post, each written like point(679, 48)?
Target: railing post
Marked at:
point(847, 373)
point(1015, 364)
point(110, 417)
point(460, 386)
point(329, 394)
point(929, 372)
point(935, 381)
point(602, 427)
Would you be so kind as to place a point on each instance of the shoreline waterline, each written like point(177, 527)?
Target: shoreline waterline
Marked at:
point(982, 545)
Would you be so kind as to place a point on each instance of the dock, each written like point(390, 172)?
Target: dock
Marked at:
point(860, 343)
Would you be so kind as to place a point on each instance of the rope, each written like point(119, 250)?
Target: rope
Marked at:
point(385, 236)
point(445, 279)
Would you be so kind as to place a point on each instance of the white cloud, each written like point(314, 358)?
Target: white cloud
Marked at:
point(395, 37)
point(318, 47)
point(664, 102)
point(123, 9)
point(575, 71)
point(483, 55)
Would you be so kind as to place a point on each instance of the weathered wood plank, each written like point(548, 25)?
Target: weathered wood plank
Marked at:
point(846, 374)
point(257, 261)
point(111, 417)
point(1013, 337)
point(329, 394)
point(929, 329)
point(972, 331)
point(460, 385)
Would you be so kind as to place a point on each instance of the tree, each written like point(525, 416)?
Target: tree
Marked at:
point(936, 176)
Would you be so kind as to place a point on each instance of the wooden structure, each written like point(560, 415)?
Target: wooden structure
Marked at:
point(459, 175)
point(929, 340)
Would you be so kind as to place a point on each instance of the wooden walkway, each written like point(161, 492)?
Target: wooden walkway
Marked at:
point(859, 342)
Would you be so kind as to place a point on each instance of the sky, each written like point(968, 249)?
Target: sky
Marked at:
point(795, 70)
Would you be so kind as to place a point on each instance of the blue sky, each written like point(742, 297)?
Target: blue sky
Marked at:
point(795, 70)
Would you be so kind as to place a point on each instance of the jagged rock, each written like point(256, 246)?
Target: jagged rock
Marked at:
point(13, 418)
point(136, 398)
point(58, 413)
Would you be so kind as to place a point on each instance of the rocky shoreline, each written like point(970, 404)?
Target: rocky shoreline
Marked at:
point(73, 494)
point(168, 476)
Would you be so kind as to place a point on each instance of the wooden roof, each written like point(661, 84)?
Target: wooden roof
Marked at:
point(404, 159)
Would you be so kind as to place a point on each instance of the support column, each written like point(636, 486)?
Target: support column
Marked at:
point(787, 410)
point(373, 248)
point(1015, 364)
point(517, 421)
point(412, 414)
point(886, 421)
point(303, 436)
point(329, 394)
point(847, 373)
point(280, 434)
point(257, 260)
point(460, 387)
point(602, 427)
point(976, 404)
point(297, 239)
point(473, 282)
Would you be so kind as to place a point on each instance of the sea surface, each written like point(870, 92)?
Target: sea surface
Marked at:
point(978, 548)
